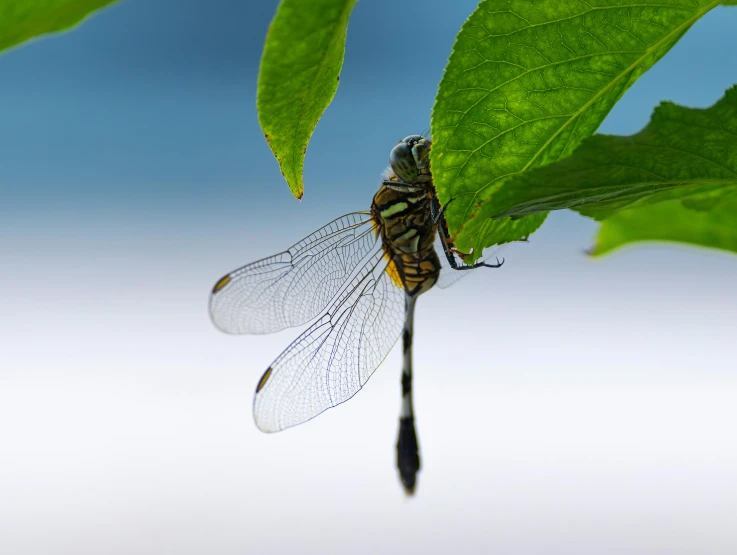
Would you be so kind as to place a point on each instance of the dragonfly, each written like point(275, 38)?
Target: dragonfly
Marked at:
point(358, 278)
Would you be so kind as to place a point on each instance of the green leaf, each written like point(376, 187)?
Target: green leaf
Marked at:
point(300, 68)
point(23, 20)
point(682, 152)
point(672, 220)
point(502, 230)
point(527, 82)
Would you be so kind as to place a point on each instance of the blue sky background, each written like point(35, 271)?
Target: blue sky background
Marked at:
point(564, 405)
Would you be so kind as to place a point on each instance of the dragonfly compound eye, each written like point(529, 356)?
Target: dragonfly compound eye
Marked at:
point(421, 153)
point(403, 162)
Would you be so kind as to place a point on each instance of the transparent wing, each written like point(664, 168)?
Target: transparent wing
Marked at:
point(329, 363)
point(294, 286)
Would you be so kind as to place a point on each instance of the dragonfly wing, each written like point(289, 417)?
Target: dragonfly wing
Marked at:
point(294, 286)
point(332, 360)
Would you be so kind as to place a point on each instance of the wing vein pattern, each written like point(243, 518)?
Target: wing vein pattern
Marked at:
point(332, 360)
point(292, 287)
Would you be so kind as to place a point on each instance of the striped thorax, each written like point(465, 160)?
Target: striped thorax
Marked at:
point(402, 210)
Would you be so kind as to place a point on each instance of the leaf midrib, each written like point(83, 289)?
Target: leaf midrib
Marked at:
point(626, 191)
point(569, 18)
point(309, 91)
point(648, 51)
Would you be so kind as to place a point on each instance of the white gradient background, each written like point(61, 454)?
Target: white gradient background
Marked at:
point(565, 406)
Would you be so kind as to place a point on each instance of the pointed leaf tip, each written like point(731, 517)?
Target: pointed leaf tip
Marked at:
point(298, 77)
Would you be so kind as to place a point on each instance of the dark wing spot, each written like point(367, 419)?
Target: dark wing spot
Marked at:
point(222, 282)
point(264, 379)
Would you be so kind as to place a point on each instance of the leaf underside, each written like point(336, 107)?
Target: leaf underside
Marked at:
point(675, 180)
point(299, 73)
point(672, 221)
point(529, 80)
point(681, 152)
point(21, 21)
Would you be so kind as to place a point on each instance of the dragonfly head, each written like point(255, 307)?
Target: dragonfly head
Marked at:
point(411, 158)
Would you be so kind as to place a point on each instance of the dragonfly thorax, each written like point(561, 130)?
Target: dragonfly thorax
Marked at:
point(402, 210)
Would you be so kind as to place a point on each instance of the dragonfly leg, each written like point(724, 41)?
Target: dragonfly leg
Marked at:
point(450, 249)
point(439, 219)
point(447, 242)
point(438, 212)
point(482, 265)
